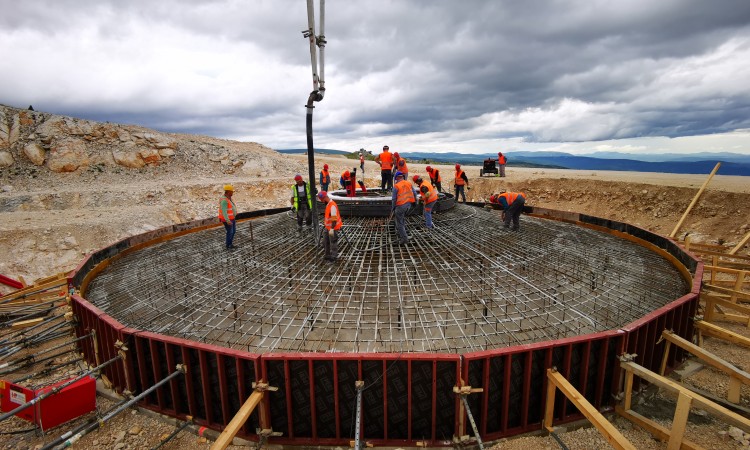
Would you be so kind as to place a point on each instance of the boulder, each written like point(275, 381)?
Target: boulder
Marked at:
point(150, 156)
point(128, 159)
point(35, 153)
point(67, 155)
point(6, 159)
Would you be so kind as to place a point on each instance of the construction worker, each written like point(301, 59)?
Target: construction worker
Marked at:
point(325, 178)
point(460, 182)
point(429, 197)
point(362, 163)
point(301, 202)
point(332, 222)
point(512, 204)
point(385, 161)
point(501, 160)
point(227, 210)
point(348, 183)
point(435, 178)
point(402, 201)
point(399, 164)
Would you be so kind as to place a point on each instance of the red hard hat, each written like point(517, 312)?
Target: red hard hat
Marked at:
point(346, 174)
point(396, 154)
point(415, 178)
point(298, 177)
point(458, 166)
point(428, 168)
point(325, 166)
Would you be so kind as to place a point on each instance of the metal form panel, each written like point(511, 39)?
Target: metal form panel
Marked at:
point(407, 398)
point(514, 379)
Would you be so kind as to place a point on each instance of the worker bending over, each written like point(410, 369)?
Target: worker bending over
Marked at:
point(429, 197)
point(512, 204)
point(435, 178)
point(402, 201)
point(301, 202)
point(332, 222)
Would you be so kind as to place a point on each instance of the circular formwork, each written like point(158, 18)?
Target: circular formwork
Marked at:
point(467, 285)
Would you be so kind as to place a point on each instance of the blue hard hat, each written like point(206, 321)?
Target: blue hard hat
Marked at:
point(398, 174)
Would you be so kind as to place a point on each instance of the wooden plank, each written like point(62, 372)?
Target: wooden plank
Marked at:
point(741, 244)
point(679, 422)
point(725, 292)
point(707, 357)
point(610, 433)
point(710, 329)
point(654, 428)
point(549, 407)
point(728, 416)
point(695, 200)
point(27, 323)
point(226, 436)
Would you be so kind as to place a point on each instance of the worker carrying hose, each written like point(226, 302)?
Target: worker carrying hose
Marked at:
point(325, 178)
point(404, 197)
point(512, 204)
point(226, 215)
point(385, 161)
point(332, 221)
point(435, 178)
point(460, 182)
point(301, 202)
point(429, 197)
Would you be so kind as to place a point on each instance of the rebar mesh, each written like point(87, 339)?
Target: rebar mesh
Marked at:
point(466, 285)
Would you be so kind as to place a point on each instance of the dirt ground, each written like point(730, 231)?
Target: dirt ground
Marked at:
point(50, 221)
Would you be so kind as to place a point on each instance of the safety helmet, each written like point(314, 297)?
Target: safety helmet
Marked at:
point(428, 168)
point(396, 154)
point(298, 177)
point(322, 194)
point(229, 187)
point(325, 166)
point(493, 197)
point(399, 174)
point(458, 166)
point(416, 179)
point(347, 174)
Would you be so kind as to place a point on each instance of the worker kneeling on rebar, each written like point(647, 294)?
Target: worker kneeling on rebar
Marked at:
point(404, 197)
point(332, 222)
point(512, 204)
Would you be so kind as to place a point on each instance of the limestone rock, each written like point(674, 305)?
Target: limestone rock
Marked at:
point(6, 159)
point(128, 159)
point(67, 155)
point(166, 152)
point(150, 156)
point(35, 153)
point(15, 129)
point(218, 155)
point(4, 133)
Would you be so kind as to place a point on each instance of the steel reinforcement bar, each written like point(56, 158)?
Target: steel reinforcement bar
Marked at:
point(408, 397)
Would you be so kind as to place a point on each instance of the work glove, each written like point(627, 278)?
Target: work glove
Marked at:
point(331, 232)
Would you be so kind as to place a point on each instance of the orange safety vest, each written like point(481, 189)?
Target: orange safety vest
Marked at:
point(431, 195)
point(230, 209)
point(332, 212)
point(511, 197)
point(326, 176)
point(460, 181)
point(404, 193)
point(401, 166)
point(501, 159)
point(432, 176)
point(386, 160)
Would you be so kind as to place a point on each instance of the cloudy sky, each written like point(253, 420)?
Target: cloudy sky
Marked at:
point(640, 76)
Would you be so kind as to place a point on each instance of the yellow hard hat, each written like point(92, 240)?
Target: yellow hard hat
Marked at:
point(229, 187)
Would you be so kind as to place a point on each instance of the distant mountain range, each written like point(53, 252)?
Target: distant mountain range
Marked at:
point(697, 163)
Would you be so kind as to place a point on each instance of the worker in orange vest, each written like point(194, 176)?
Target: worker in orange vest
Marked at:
point(428, 197)
point(227, 215)
point(435, 178)
point(512, 204)
point(399, 165)
point(332, 221)
point(501, 160)
point(460, 182)
point(385, 161)
point(325, 178)
point(402, 201)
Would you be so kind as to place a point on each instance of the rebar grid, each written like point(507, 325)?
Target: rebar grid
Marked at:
point(469, 284)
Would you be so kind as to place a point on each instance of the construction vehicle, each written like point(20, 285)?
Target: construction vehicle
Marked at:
point(489, 167)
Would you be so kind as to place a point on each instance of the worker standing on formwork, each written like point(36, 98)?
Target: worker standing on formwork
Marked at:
point(385, 161)
point(404, 197)
point(332, 221)
point(301, 202)
point(435, 178)
point(226, 215)
point(325, 178)
point(429, 197)
point(460, 183)
point(512, 204)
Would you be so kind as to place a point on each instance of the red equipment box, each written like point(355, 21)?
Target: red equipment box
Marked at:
point(73, 401)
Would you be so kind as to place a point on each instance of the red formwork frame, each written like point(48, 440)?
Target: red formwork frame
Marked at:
point(408, 398)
